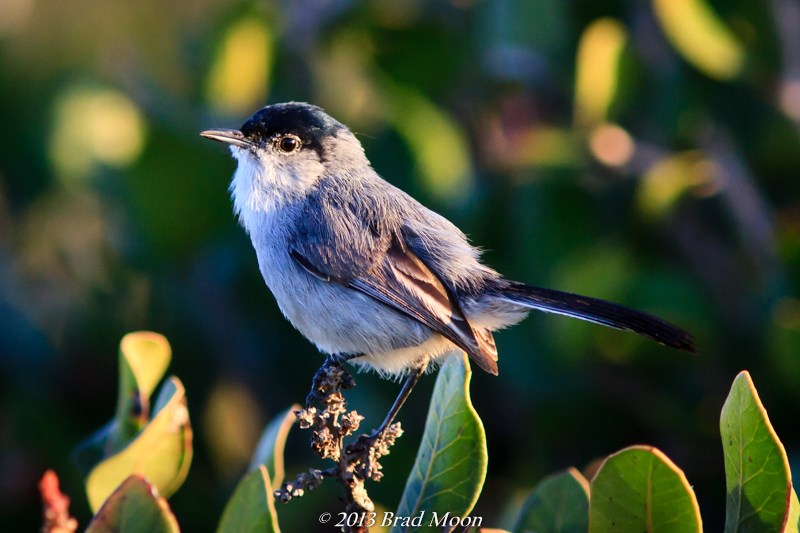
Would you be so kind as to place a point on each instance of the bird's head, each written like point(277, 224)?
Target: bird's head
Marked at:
point(283, 150)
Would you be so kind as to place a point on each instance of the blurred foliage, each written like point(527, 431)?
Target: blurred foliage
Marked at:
point(157, 448)
point(670, 186)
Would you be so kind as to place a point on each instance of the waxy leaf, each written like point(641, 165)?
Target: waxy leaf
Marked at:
point(640, 489)
point(757, 473)
point(251, 509)
point(559, 504)
point(252, 506)
point(161, 452)
point(143, 358)
point(269, 450)
point(793, 523)
point(134, 507)
point(448, 474)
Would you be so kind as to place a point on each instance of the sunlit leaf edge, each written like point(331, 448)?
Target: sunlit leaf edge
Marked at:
point(259, 475)
point(658, 454)
point(527, 506)
point(269, 450)
point(176, 398)
point(452, 365)
point(745, 375)
point(120, 496)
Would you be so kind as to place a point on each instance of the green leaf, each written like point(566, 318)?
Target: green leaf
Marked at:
point(451, 462)
point(269, 450)
point(640, 489)
point(756, 468)
point(143, 358)
point(252, 506)
point(162, 451)
point(134, 507)
point(559, 504)
point(793, 522)
point(146, 356)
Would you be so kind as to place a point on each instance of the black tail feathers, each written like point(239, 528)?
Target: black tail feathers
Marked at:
point(600, 312)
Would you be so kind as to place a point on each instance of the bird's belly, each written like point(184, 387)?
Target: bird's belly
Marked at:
point(339, 320)
point(395, 363)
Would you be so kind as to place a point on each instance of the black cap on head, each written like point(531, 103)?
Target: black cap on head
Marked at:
point(310, 123)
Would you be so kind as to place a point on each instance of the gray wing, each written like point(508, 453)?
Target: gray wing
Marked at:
point(393, 275)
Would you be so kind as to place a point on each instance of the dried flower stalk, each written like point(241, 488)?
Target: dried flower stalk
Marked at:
point(356, 462)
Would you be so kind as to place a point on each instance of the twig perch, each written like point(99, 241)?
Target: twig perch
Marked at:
point(355, 463)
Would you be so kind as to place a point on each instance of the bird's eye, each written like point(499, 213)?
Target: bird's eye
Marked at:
point(289, 144)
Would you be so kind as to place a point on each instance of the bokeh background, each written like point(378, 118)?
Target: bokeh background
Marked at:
point(645, 152)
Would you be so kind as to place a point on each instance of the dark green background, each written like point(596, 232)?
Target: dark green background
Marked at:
point(151, 243)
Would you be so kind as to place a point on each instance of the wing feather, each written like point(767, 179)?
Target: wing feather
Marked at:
point(402, 281)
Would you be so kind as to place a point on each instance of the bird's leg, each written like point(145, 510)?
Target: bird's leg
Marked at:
point(413, 376)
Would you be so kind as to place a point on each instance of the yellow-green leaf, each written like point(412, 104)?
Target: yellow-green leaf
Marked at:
point(251, 509)
point(162, 451)
point(445, 166)
point(239, 77)
point(793, 523)
point(143, 358)
point(146, 355)
point(701, 37)
point(670, 178)
point(597, 70)
point(640, 489)
point(757, 474)
point(134, 507)
point(269, 450)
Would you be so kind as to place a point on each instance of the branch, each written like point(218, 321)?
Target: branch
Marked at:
point(356, 462)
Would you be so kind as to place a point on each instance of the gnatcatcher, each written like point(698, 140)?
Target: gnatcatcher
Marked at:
point(366, 272)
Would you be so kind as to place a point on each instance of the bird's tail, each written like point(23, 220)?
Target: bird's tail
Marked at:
point(597, 311)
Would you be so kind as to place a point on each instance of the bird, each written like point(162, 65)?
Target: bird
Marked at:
point(366, 272)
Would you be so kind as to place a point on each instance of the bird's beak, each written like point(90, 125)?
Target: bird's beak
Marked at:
point(234, 137)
